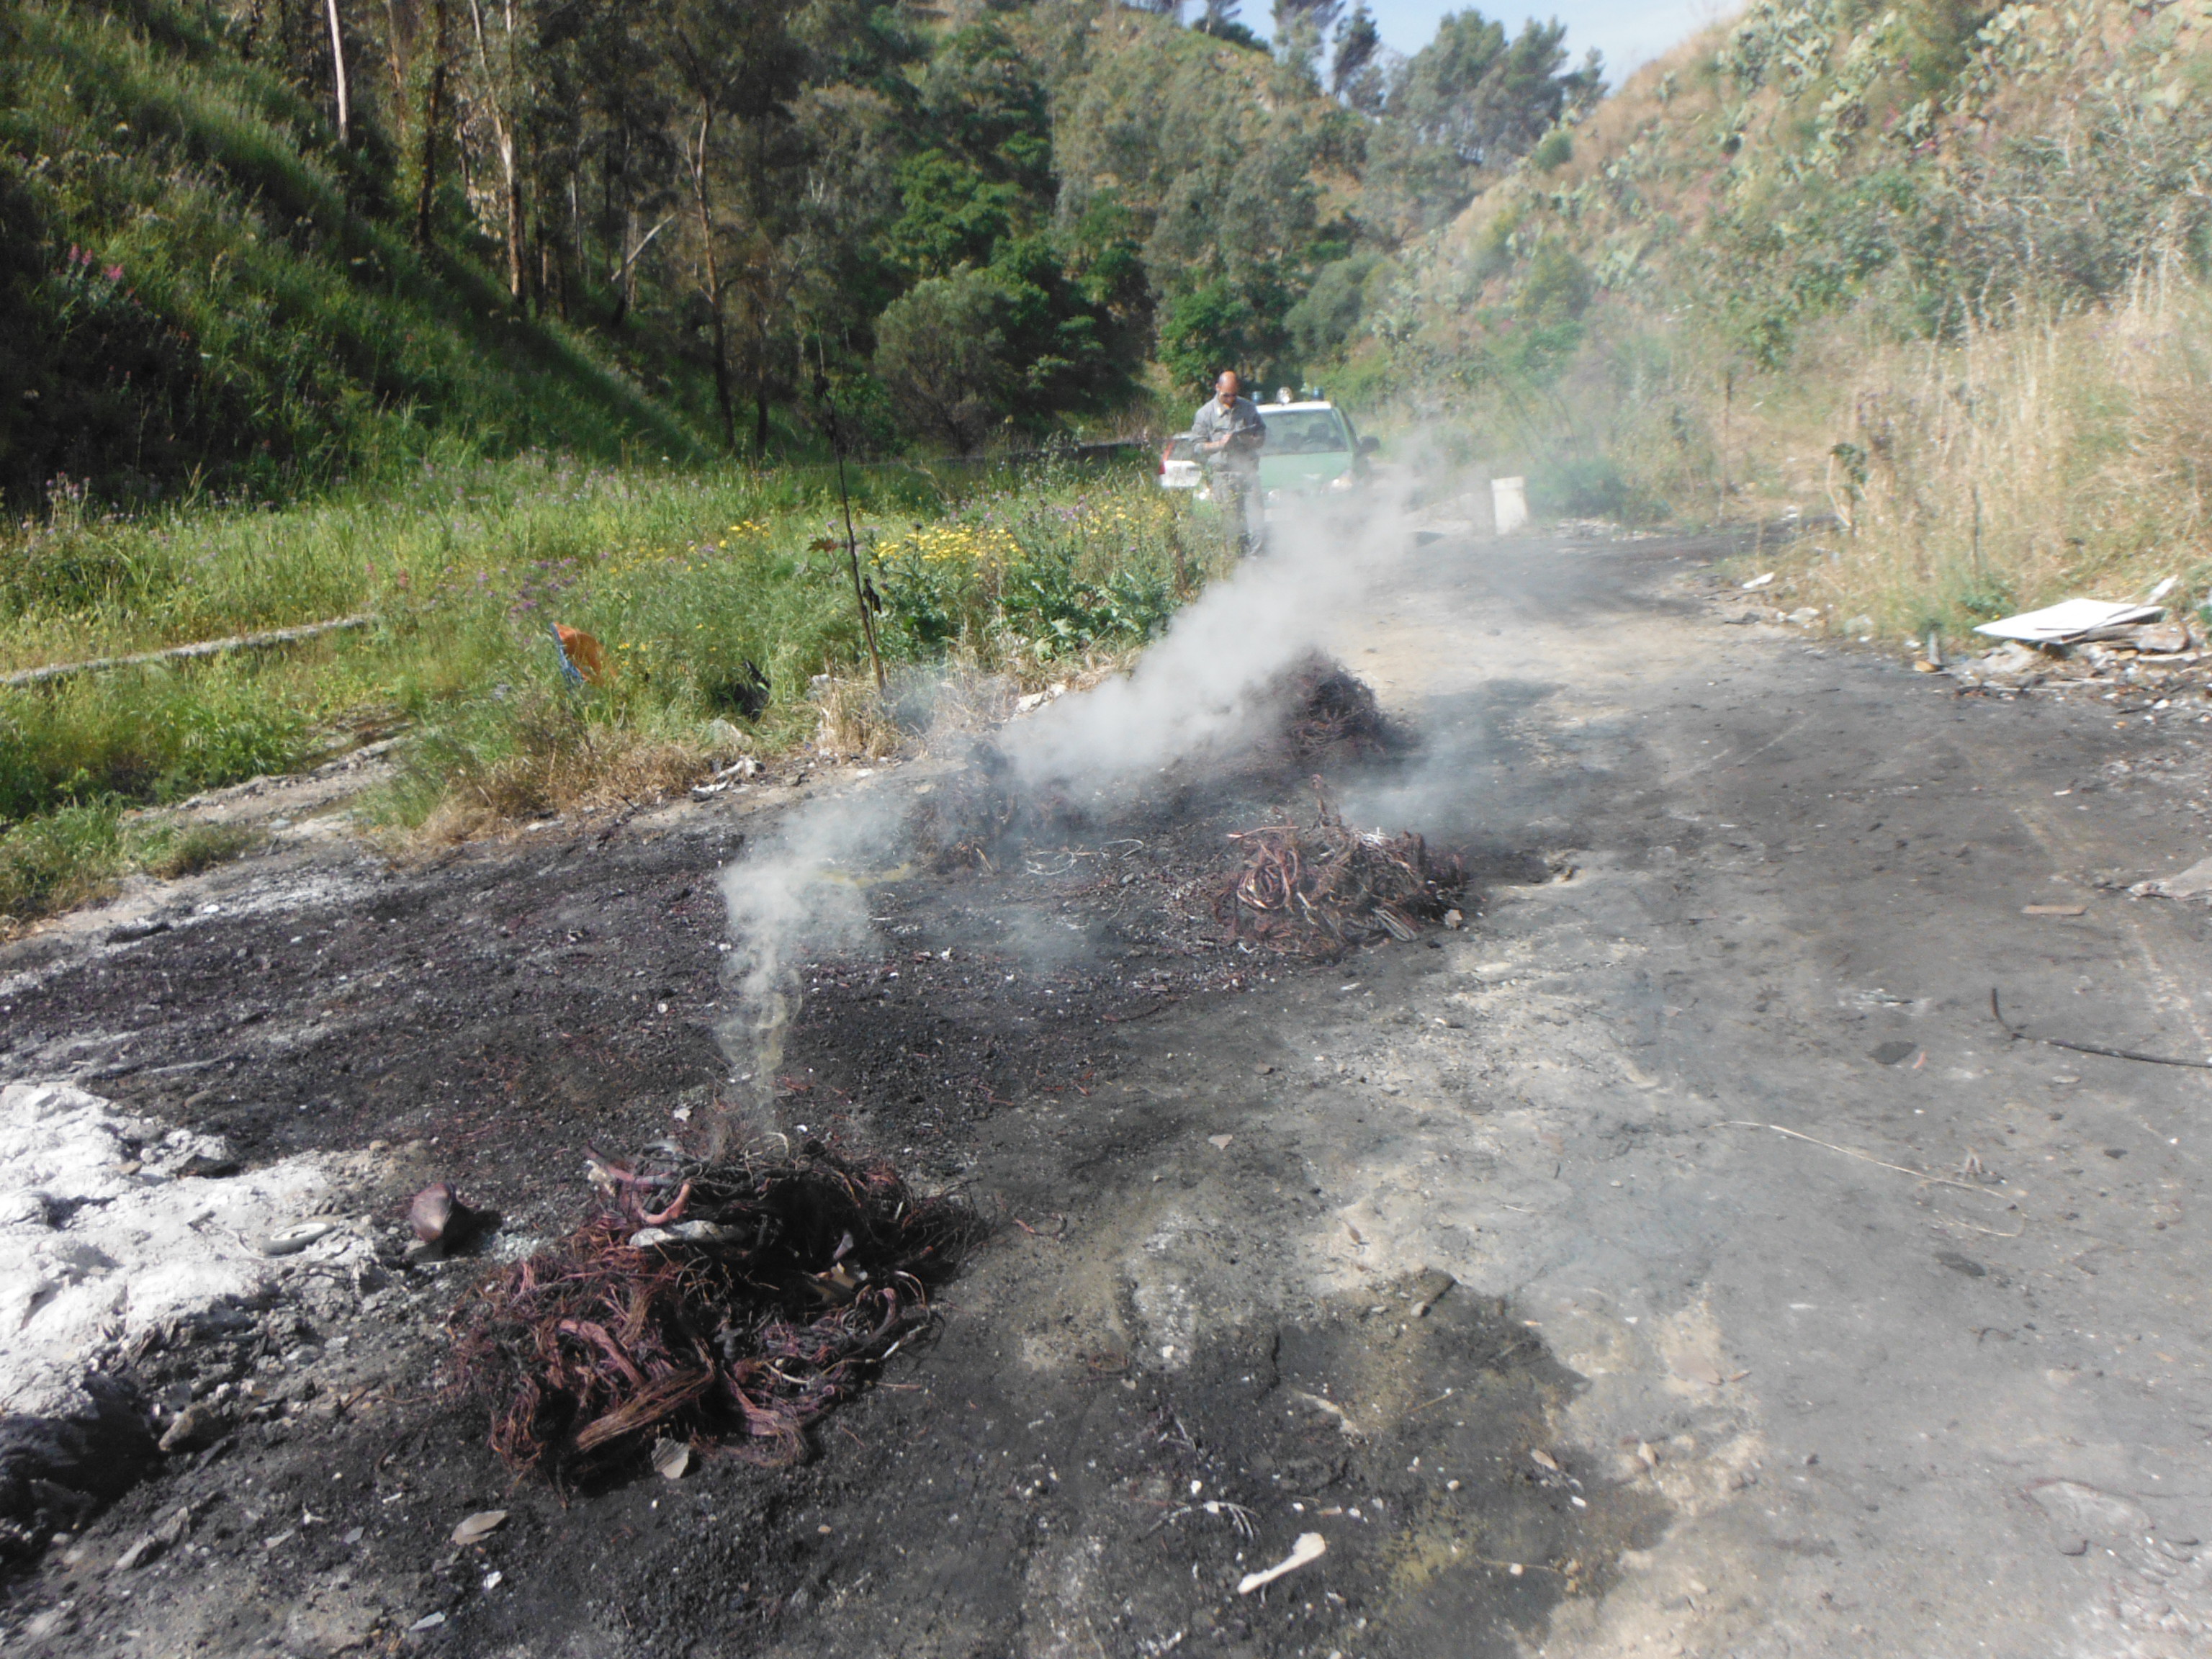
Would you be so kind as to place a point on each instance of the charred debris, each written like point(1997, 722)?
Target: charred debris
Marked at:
point(733, 1302)
point(704, 1304)
point(1325, 888)
point(1314, 712)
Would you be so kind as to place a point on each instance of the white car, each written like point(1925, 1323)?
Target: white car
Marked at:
point(1179, 463)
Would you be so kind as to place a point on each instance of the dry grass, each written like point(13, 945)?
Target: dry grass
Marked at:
point(560, 764)
point(2008, 469)
point(959, 697)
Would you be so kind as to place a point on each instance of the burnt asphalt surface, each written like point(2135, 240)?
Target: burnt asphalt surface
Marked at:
point(1478, 1198)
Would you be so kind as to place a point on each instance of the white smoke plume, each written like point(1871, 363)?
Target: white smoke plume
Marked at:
point(1191, 693)
point(803, 893)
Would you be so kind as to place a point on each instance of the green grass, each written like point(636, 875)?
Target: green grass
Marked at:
point(683, 576)
point(208, 292)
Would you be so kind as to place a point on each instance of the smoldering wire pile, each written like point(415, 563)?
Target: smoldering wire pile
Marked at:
point(975, 814)
point(704, 1301)
point(1325, 888)
point(1326, 706)
point(970, 812)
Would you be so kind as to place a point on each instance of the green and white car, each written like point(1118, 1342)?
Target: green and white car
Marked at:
point(1311, 448)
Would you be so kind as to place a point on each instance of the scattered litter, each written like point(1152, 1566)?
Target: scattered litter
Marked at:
point(439, 1218)
point(1454, 921)
point(670, 1458)
point(2159, 639)
point(583, 658)
point(1310, 1547)
point(2194, 882)
point(1757, 582)
point(761, 1295)
point(1509, 505)
point(1326, 890)
point(1219, 1143)
point(2066, 623)
point(492, 1580)
point(428, 1621)
point(740, 687)
point(1543, 1460)
point(478, 1527)
point(290, 1241)
point(2054, 909)
point(2019, 1036)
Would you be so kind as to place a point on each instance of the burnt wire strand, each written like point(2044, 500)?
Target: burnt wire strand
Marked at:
point(2019, 1036)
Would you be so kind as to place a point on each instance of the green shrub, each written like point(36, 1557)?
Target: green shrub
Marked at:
point(59, 860)
point(187, 849)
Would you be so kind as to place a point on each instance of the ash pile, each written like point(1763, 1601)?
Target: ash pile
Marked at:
point(703, 1305)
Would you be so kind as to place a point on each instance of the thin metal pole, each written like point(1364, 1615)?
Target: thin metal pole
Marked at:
point(845, 499)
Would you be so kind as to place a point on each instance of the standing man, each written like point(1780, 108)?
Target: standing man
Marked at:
point(1229, 432)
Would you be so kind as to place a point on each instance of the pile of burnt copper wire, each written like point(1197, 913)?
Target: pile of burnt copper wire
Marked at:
point(970, 812)
point(704, 1303)
point(1326, 707)
point(1324, 889)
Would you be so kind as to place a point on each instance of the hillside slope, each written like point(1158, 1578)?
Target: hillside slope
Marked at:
point(199, 284)
point(1941, 161)
point(1932, 269)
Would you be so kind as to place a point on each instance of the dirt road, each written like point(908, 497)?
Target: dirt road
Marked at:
point(1487, 1259)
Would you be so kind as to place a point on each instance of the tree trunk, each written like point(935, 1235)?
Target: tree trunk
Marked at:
point(434, 118)
point(711, 283)
point(339, 71)
point(502, 133)
point(626, 279)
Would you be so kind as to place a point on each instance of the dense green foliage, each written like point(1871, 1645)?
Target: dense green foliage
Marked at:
point(195, 284)
point(246, 251)
point(689, 582)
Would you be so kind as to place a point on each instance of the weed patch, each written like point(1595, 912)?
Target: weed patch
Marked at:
point(175, 851)
point(59, 860)
point(723, 601)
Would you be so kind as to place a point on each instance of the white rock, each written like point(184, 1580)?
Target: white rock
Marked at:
point(91, 1256)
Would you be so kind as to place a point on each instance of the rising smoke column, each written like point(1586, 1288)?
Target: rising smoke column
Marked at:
point(803, 893)
point(1194, 692)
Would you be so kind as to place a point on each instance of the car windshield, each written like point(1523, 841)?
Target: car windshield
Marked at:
point(1303, 432)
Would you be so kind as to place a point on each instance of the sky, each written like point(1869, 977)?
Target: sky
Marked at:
point(1630, 33)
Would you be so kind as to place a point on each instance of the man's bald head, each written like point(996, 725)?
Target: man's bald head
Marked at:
point(1228, 385)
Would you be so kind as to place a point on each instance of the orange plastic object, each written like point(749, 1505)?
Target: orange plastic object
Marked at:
point(584, 653)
